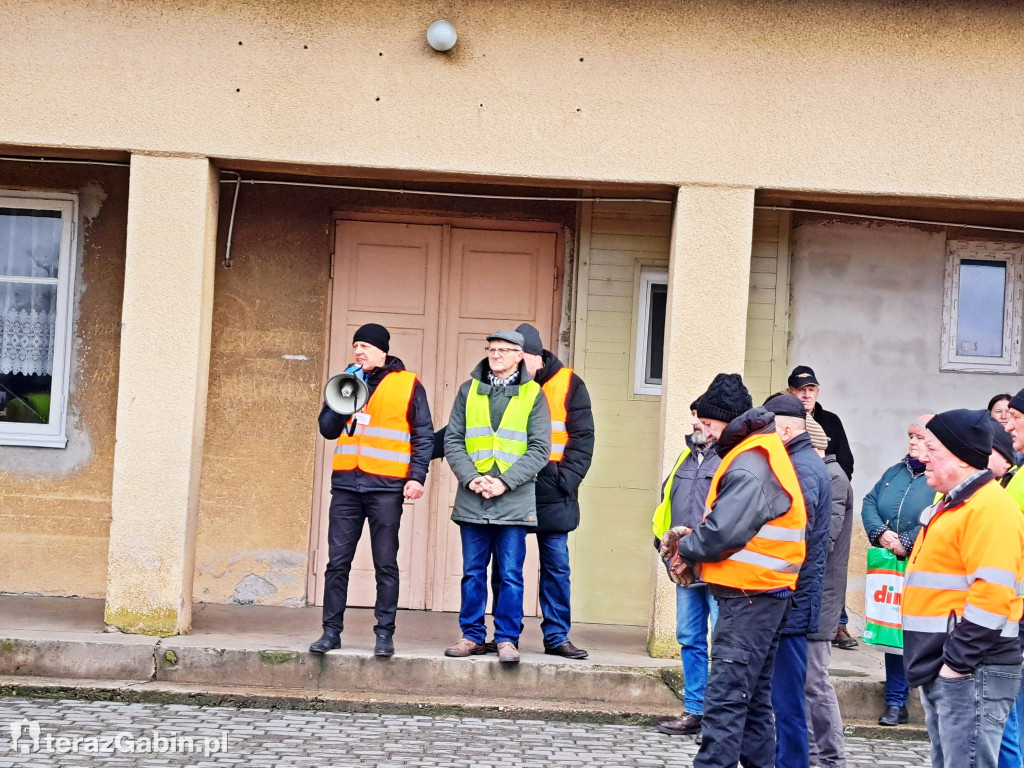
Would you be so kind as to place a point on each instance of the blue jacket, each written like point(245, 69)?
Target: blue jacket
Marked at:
point(896, 503)
point(817, 489)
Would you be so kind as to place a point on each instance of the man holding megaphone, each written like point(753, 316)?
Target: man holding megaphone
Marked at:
point(378, 413)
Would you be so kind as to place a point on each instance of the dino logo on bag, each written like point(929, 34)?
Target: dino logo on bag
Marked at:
point(888, 596)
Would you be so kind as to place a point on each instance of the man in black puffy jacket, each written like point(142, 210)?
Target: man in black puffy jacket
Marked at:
point(558, 506)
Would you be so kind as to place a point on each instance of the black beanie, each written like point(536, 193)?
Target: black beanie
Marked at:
point(725, 399)
point(965, 433)
point(374, 334)
point(786, 405)
point(1002, 441)
point(531, 339)
point(1017, 401)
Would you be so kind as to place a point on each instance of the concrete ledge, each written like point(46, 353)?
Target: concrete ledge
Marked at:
point(86, 657)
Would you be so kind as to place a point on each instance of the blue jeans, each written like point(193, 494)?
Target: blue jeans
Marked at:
point(507, 543)
point(695, 607)
point(897, 689)
point(790, 704)
point(965, 717)
point(1010, 754)
point(554, 588)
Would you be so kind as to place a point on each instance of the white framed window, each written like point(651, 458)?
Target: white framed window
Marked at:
point(650, 331)
point(37, 271)
point(981, 319)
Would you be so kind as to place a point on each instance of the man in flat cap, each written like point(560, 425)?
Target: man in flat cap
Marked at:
point(380, 461)
point(498, 439)
point(962, 598)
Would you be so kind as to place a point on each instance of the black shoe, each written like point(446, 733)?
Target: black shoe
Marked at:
point(894, 715)
point(681, 726)
point(328, 641)
point(490, 646)
point(385, 646)
point(567, 650)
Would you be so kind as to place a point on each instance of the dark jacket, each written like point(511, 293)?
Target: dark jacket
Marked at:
point(838, 445)
point(691, 485)
point(558, 506)
point(518, 505)
point(422, 437)
point(817, 489)
point(896, 503)
point(749, 495)
point(839, 532)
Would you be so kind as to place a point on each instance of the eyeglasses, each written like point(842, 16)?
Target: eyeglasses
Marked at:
point(500, 350)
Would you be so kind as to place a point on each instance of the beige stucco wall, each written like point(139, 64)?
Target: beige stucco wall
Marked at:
point(867, 316)
point(55, 503)
point(867, 97)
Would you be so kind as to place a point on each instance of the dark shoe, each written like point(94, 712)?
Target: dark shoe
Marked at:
point(385, 646)
point(490, 647)
point(567, 650)
point(894, 715)
point(844, 640)
point(328, 641)
point(508, 653)
point(681, 726)
point(465, 647)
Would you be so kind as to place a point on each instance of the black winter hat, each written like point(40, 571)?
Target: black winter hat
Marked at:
point(1017, 401)
point(965, 433)
point(1002, 441)
point(726, 398)
point(374, 334)
point(786, 405)
point(532, 344)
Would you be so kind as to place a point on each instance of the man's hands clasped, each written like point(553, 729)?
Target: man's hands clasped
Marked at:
point(487, 486)
point(679, 571)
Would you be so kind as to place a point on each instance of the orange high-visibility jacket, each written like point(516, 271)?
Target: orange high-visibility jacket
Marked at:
point(556, 390)
point(772, 558)
point(383, 446)
point(966, 565)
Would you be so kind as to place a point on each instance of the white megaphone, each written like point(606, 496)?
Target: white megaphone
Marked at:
point(346, 393)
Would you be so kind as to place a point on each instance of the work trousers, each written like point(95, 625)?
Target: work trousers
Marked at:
point(695, 610)
point(349, 510)
point(824, 722)
point(965, 716)
point(737, 725)
point(789, 684)
point(1010, 754)
point(507, 545)
point(897, 689)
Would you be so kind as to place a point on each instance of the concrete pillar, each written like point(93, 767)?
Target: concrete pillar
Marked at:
point(705, 333)
point(161, 404)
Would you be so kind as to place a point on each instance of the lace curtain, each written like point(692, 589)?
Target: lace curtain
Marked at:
point(26, 341)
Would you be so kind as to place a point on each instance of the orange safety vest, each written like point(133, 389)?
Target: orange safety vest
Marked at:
point(772, 558)
point(966, 563)
point(556, 390)
point(383, 446)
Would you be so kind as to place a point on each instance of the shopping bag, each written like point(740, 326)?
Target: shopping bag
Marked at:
point(883, 593)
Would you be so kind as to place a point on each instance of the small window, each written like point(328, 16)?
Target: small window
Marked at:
point(981, 319)
point(36, 275)
point(650, 331)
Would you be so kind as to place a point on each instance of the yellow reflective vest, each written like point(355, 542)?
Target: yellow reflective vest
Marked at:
point(487, 447)
point(663, 512)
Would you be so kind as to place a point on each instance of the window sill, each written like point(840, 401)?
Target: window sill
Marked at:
point(34, 441)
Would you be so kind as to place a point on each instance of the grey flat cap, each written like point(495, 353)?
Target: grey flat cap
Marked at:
point(512, 337)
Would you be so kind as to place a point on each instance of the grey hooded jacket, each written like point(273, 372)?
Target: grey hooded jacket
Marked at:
point(517, 506)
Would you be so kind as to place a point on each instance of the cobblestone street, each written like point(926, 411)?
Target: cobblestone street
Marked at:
point(262, 737)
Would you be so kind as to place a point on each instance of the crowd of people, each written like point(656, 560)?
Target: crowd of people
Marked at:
point(754, 527)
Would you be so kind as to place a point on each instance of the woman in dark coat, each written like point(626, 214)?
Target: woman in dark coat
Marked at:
point(892, 519)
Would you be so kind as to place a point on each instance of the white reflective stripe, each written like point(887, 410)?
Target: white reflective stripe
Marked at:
point(510, 458)
point(557, 426)
point(557, 450)
point(999, 576)
point(764, 561)
point(984, 618)
point(486, 453)
point(390, 434)
point(347, 448)
point(933, 580)
point(479, 432)
point(777, 533)
point(377, 453)
point(512, 434)
point(1012, 629)
point(934, 624)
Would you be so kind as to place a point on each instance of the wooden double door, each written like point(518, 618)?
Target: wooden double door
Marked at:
point(439, 289)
